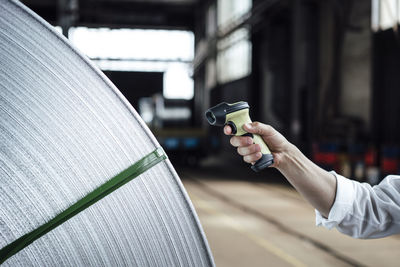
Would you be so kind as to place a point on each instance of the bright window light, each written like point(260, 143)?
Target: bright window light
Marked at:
point(177, 80)
point(167, 51)
point(234, 56)
point(385, 14)
point(388, 14)
point(229, 10)
point(58, 29)
point(134, 43)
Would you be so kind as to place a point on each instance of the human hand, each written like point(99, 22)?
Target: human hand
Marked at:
point(251, 152)
point(314, 183)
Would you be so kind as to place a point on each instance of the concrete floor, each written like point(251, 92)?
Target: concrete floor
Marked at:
point(262, 224)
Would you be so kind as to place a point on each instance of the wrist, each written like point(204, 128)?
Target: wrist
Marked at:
point(288, 158)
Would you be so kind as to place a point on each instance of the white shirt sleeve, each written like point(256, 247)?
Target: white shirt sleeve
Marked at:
point(362, 211)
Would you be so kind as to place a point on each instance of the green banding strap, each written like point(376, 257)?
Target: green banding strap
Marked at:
point(122, 178)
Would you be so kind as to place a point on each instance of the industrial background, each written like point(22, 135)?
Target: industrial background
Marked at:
point(326, 74)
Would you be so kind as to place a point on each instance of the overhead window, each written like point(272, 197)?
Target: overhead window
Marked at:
point(230, 11)
point(234, 56)
point(233, 48)
point(165, 51)
point(385, 14)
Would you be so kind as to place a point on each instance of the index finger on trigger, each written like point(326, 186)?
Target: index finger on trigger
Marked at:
point(227, 130)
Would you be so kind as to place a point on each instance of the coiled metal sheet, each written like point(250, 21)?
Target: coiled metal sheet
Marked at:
point(64, 131)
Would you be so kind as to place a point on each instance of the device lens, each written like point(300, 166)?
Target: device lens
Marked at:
point(210, 117)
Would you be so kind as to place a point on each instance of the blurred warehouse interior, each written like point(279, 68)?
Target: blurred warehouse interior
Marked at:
point(324, 73)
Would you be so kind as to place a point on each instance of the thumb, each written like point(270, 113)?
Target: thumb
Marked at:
point(258, 128)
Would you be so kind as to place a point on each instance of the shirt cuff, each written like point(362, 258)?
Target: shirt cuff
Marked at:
point(345, 195)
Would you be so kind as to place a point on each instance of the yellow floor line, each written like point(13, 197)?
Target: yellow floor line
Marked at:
point(229, 221)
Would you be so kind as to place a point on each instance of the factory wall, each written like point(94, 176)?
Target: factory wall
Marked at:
point(355, 96)
point(311, 77)
point(345, 53)
point(386, 94)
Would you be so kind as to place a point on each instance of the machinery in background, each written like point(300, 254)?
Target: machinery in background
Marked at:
point(170, 122)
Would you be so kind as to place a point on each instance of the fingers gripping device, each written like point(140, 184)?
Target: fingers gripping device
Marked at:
point(235, 115)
